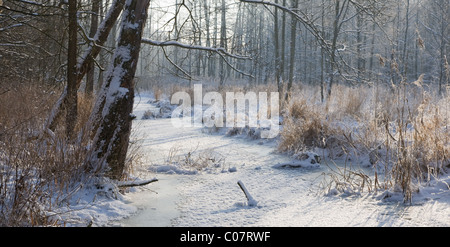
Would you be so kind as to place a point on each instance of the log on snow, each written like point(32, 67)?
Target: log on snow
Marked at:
point(127, 184)
point(250, 201)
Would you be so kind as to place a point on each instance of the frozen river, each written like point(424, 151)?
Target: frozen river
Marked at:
point(286, 197)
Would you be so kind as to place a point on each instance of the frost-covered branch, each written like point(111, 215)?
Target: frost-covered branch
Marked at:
point(99, 38)
point(218, 50)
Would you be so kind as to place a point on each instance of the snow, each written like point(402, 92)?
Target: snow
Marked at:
point(285, 190)
point(95, 202)
point(286, 196)
point(171, 169)
point(250, 200)
point(304, 160)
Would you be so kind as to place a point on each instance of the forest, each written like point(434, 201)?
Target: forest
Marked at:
point(363, 81)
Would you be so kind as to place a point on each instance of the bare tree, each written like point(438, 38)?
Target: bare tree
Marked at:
point(111, 118)
point(295, 4)
point(72, 90)
point(93, 29)
point(91, 52)
point(223, 43)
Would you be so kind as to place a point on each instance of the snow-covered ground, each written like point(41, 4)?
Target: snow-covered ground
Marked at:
point(285, 196)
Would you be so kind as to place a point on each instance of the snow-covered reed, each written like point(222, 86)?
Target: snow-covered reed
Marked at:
point(401, 131)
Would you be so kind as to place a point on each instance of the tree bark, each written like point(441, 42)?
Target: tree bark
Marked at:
point(223, 44)
point(283, 46)
point(82, 67)
point(93, 29)
point(111, 118)
point(208, 35)
point(277, 49)
point(405, 43)
point(359, 45)
point(292, 52)
point(72, 96)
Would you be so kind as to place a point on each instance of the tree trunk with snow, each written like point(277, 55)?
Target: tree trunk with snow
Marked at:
point(82, 68)
point(111, 118)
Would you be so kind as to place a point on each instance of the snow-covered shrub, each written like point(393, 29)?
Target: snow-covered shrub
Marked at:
point(161, 109)
point(302, 160)
point(304, 127)
point(190, 163)
point(148, 115)
point(420, 141)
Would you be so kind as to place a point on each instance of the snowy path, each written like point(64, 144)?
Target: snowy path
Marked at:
point(286, 197)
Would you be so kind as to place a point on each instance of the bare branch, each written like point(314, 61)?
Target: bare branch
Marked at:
point(218, 50)
point(91, 52)
point(300, 16)
point(189, 77)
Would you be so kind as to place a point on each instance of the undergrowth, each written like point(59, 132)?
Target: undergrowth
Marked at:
point(401, 130)
point(39, 169)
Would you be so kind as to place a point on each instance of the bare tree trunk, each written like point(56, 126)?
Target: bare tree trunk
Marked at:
point(372, 49)
point(72, 96)
point(111, 118)
point(93, 29)
point(216, 30)
point(443, 63)
point(92, 51)
point(333, 47)
point(292, 51)
point(322, 56)
point(359, 45)
point(261, 61)
point(339, 15)
point(208, 36)
point(277, 49)
point(283, 46)
point(199, 53)
point(223, 41)
point(405, 52)
point(177, 35)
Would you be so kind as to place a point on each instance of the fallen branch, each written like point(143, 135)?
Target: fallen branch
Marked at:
point(127, 184)
point(251, 202)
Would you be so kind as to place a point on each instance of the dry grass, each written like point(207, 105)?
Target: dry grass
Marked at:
point(194, 159)
point(420, 141)
point(403, 128)
point(37, 171)
point(307, 124)
point(85, 105)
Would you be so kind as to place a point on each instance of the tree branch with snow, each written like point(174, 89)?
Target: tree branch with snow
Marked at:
point(218, 50)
